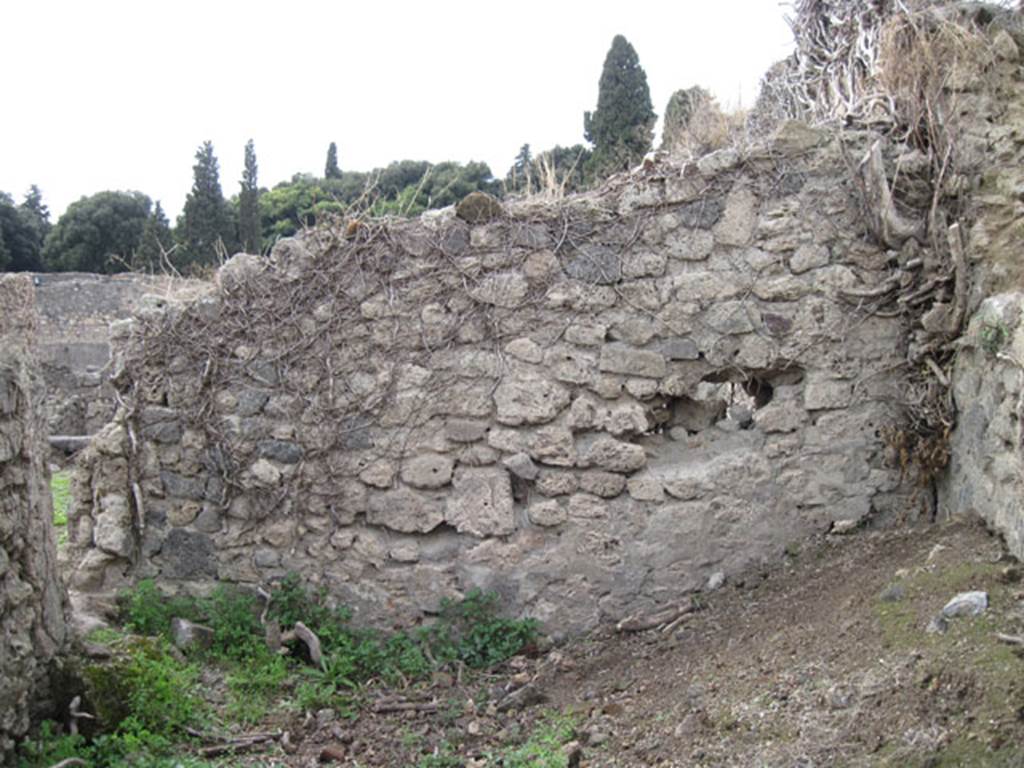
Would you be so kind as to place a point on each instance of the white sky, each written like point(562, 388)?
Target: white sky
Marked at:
point(118, 95)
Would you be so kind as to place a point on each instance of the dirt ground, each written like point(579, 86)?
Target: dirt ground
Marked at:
point(825, 661)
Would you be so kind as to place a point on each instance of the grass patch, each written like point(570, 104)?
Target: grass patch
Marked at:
point(543, 748)
point(145, 698)
point(60, 490)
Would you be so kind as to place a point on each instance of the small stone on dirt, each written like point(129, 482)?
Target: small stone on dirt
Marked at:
point(188, 635)
point(966, 604)
point(892, 593)
point(332, 753)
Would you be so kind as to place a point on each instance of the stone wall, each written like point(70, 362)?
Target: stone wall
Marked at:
point(75, 314)
point(32, 602)
point(589, 406)
point(986, 474)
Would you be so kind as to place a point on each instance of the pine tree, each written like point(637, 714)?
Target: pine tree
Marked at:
point(331, 170)
point(249, 229)
point(622, 127)
point(205, 227)
point(156, 241)
point(519, 175)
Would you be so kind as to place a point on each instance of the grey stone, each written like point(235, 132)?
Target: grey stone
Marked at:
point(553, 445)
point(554, 482)
point(594, 263)
point(521, 465)
point(679, 349)
point(547, 513)
point(405, 511)
point(732, 317)
point(715, 581)
point(808, 257)
point(507, 290)
point(529, 400)
point(737, 224)
point(379, 474)
point(188, 556)
point(820, 393)
point(266, 558)
point(621, 358)
point(181, 487)
point(604, 484)
point(481, 502)
point(264, 473)
point(283, 451)
point(189, 636)
point(615, 455)
point(208, 520)
point(966, 604)
point(700, 214)
point(465, 431)
point(430, 470)
point(646, 486)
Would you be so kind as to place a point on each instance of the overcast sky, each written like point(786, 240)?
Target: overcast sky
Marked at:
point(118, 95)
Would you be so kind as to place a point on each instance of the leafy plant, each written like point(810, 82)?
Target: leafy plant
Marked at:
point(148, 611)
point(144, 693)
point(60, 489)
point(544, 747)
point(471, 631)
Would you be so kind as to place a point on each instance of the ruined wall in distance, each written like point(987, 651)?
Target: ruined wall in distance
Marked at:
point(589, 406)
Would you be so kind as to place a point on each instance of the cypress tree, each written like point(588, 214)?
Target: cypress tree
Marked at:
point(249, 229)
point(205, 228)
point(156, 241)
point(622, 127)
point(331, 169)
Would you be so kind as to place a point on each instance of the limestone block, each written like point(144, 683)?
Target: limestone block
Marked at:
point(646, 486)
point(643, 264)
point(263, 472)
point(379, 474)
point(478, 455)
point(182, 514)
point(739, 219)
point(431, 470)
point(780, 416)
point(642, 389)
point(113, 528)
point(547, 513)
point(525, 349)
point(529, 400)
point(586, 506)
point(540, 265)
point(553, 482)
point(586, 334)
point(732, 317)
point(808, 257)
point(465, 430)
point(553, 445)
point(583, 413)
point(709, 286)
point(607, 485)
point(689, 244)
point(784, 288)
point(822, 393)
point(621, 358)
point(714, 163)
point(505, 289)
point(571, 364)
point(481, 502)
point(623, 418)
point(405, 511)
point(614, 455)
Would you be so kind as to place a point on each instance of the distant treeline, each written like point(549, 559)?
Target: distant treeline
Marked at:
point(114, 231)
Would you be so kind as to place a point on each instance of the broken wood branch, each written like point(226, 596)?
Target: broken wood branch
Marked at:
point(639, 623)
point(1010, 639)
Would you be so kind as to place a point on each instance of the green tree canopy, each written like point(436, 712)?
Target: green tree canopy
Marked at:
point(554, 171)
point(155, 242)
point(206, 226)
point(21, 234)
point(331, 169)
point(250, 232)
point(99, 233)
point(622, 127)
